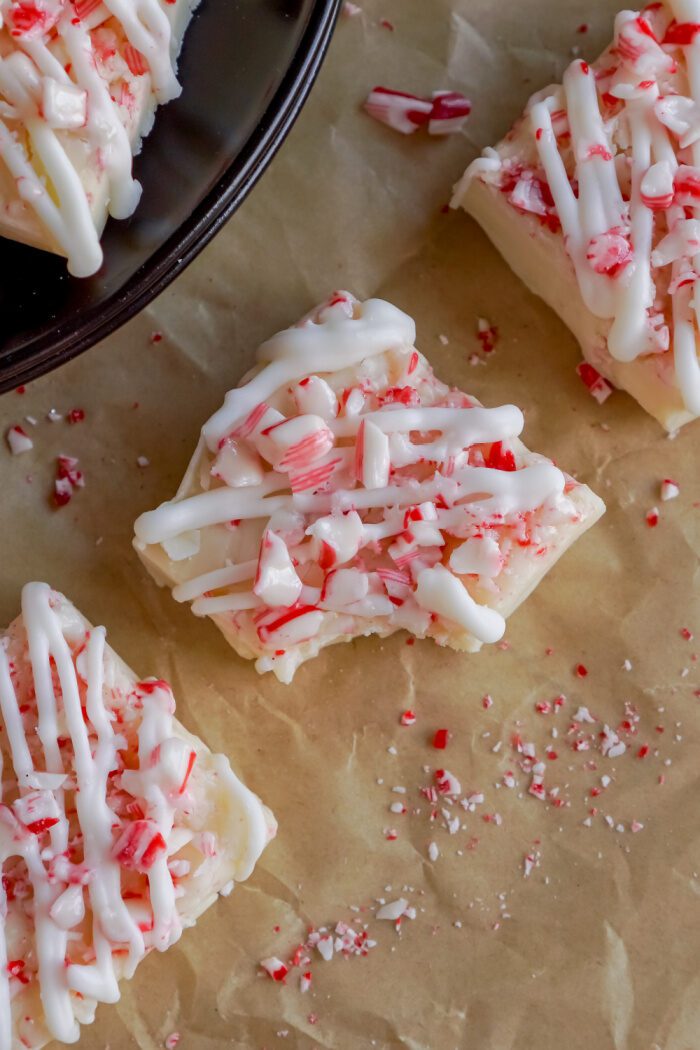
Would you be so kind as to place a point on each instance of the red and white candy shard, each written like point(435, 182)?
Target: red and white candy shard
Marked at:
point(594, 200)
point(118, 828)
point(81, 82)
point(18, 440)
point(443, 114)
point(372, 497)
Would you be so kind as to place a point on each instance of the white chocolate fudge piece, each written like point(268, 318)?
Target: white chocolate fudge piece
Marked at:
point(118, 828)
point(79, 84)
point(342, 490)
point(593, 199)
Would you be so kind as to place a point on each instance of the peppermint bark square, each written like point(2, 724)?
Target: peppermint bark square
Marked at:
point(118, 828)
point(80, 81)
point(342, 490)
point(593, 198)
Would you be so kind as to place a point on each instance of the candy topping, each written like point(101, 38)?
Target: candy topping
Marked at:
point(444, 114)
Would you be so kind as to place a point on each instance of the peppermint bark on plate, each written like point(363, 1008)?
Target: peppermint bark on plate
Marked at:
point(118, 828)
point(593, 199)
point(79, 84)
point(342, 490)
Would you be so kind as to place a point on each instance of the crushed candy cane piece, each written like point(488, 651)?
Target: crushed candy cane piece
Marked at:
point(408, 718)
point(487, 334)
point(597, 386)
point(443, 114)
point(433, 851)
point(275, 968)
point(18, 440)
point(68, 478)
point(447, 782)
point(394, 910)
point(449, 113)
point(440, 739)
point(669, 489)
point(530, 861)
point(652, 517)
point(324, 946)
point(398, 110)
point(611, 745)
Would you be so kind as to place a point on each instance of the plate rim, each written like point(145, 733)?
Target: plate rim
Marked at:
point(58, 346)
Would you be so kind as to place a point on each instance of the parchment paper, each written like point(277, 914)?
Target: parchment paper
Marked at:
point(600, 946)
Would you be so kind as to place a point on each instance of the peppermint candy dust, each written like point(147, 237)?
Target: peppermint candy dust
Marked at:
point(343, 490)
point(79, 82)
point(594, 200)
point(117, 827)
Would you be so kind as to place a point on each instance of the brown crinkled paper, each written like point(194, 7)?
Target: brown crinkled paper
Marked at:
point(598, 948)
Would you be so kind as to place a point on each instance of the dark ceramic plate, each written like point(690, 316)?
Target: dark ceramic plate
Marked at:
point(246, 68)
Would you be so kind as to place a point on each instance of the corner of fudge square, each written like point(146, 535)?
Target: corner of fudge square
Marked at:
point(593, 199)
point(118, 828)
point(343, 490)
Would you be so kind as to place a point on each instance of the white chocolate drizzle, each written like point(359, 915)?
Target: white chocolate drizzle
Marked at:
point(368, 473)
point(61, 112)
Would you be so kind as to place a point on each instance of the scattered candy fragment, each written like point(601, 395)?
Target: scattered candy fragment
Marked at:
point(76, 415)
point(652, 517)
point(611, 745)
point(447, 782)
point(398, 110)
point(324, 946)
point(68, 478)
point(275, 968)
point(450, 110)
point(440, 739)
point(393, 911)
point(408, 718)
point(444, 114)
point(18, 440)
point(433, 851)
point(487, 334)
point(669, 489)
point(597, 387)
point(530, 861)
point(172, 1041)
